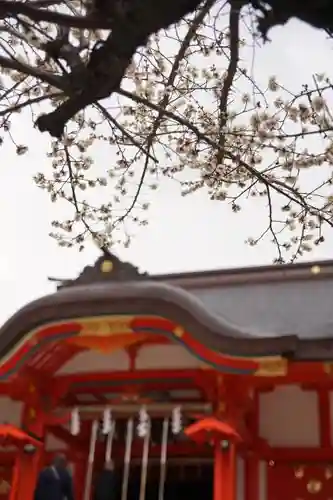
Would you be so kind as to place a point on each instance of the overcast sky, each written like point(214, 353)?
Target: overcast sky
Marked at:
point(184, 234)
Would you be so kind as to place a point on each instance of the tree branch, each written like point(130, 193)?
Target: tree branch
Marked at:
point(26, 69)
point(234, 14)
point(278, 186)
point(108, 63)
point(36, 14)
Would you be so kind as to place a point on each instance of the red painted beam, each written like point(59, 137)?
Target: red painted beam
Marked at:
point(7, 458)
point(294, 454)
point(298, 373)
point(178, 450)
point(65, 436)
point(127, 375)
point(131, 387)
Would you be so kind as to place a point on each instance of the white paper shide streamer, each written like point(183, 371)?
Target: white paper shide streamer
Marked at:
point(144, 423)
point(75, 422)
point(176, 421)
point(107, 421)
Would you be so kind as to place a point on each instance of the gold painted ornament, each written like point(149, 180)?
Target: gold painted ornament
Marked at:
point(4, 487)
point(32, 413)
point(178, 331)
point(299, 472)
point(328, 473)
point(314, 486)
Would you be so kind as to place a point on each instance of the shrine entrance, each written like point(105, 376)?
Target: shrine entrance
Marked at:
point(151, 457)
point(184, 479)
point(311, 481)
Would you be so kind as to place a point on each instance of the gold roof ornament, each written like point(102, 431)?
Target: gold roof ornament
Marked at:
point(108, 268)
point(315, 269)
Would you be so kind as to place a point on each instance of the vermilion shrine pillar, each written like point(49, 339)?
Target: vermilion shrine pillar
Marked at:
point(225, 474)
point(29, 462)
point(80, 468)
point(251, 458)
point(251, 477)
point(224, 437)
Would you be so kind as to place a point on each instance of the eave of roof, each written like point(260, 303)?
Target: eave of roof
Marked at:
point(255, 274)
point(165, 308)
point(169, 298)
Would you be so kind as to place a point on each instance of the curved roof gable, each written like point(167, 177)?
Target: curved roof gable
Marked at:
point(225, 319)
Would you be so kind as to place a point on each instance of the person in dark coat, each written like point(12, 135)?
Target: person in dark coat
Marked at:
point(105, 483)
point(55, 482)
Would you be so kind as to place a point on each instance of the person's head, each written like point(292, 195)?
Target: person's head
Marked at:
point(109, 465)
point(60, 461)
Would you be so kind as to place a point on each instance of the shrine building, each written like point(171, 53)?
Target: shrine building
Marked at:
point(211, 385)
